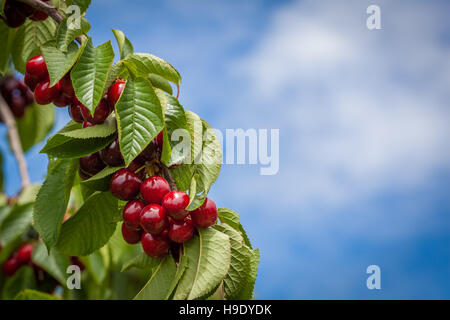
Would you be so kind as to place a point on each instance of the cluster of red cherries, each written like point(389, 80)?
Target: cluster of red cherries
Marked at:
point(16, 12)
point(17, 95)
point(158, 218)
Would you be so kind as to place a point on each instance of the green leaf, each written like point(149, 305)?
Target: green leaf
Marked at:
point(100, 181)
point(29, 294)
point(66, 34)
point(52, 199)
point(125, 46)
point(6, 39)
point(234, 281)
point(15, 223)
point(60, 62)
point(159, 285)
point(22, 279)
point(182, 175)
point(141, 261)
point(143, 64)
point(54, 263)
point(103, 130)
point(139, 117)
point(209, 258)
point(35, 125)
point(160, 83)
point(231, 218)
point(91, 227)
point(246, 293)
point(90, 73)
point(97, 266)
point(29, 38)
point(82, 4)
point(181, 268)
point(118, 70)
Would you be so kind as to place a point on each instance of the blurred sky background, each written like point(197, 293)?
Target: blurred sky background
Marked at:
point(364, 132)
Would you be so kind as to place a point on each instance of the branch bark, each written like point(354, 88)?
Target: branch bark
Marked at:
point(14, 140)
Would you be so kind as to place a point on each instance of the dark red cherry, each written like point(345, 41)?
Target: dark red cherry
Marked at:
point(44, 94)
point(131, 236)
point(154, 189)
point(111, 154)
point(155, 246)
point(132, 214)
point(18, 105)
point(102, 112)
point(75, 113)
point(40, 15)
point(92, 164)
point(175, 203)
point(181, 231)
point(83, 175)
point(85, 113)
point(31, 81)
point(206, 215)
point(10, 266)
point(24, 8)
point(62, 100)
point(137, 167)
point(125, 185)
point(153, 219)
point(115, 91)
point(24, 253)
point(87, 124)
point(160, 140)
point(76, 261)
point(8, 85)
point(13, 17)
point(66, 85)
point(37, 68)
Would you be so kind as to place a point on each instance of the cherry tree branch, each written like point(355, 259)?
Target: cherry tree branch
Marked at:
point(14, 140)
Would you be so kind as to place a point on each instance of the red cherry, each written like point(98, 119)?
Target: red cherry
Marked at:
point(153, 219)
point(175, 203)
point(115, 91)
point(40, 15)
point(92, 164)
point(76, 261)
point(155, 246)
point(160, 140)
point(10, 266)
point(111, 154)
point(18, 105)
point(37, 68)
point(62, 100)
point(154, 189)
point(66, 85)
point(181, 231)
point(24, 8)
point(75, 113)
point(206, 215)
point(136, 165)
point(31, 81)
point(102, 112)
point(45, 94)
point(24, 253)
point(125, 185)
point(131, 236)
point(132, 214)
point(87, 124)
point(13, 16)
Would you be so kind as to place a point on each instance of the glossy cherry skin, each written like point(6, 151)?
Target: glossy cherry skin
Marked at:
point(92, 164)
point(10, 266)
point(37, 68)
point(159, 140)
point(181, 231)
point(125, 185)
point(66, 86)
point(155, 246)
point(24, 253)
point(136, 165)
point(62, 100)
point(154, 189)
point(131, 236)
point(115, 91)
point(102, 112)
point(132, 214)
point(111, 154)
point(175, 203)
point(31, 81)
point(206, 215)
point(44, 94)
point(153, 219)
point(75, 113)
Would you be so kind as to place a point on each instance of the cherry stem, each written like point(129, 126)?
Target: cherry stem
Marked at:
point(14, 139)
point(168, 176)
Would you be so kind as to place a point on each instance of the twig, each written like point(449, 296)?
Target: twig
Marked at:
point(168, 176)
point(48, 9)
point(14, 139)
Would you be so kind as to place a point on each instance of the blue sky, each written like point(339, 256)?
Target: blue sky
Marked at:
point(363, 118)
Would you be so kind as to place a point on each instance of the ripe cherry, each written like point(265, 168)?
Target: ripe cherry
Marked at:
point(83, 175)
point(155, 246)
point(206, 215)
point(111, 154)
point(115, 91)
point(31, 81)
point(137, 167)
point(181, 231)
point(131, 236)
point(75, 113)
point(154, 189)
point(175, 203)
point(153, 219)
point(40, 15)
point(44, 94)
point(132, 214)
point(24, 8)
point(92, 164)
point(160, 140)
point(76, 261)
point(102, 112)
point(13, 17)
point(24, 253)
point(18, 105)
point(10, 266)
point(125, 185)
point(62, 100)
point(87, 124)
point(65, 85)
point(37, 68)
